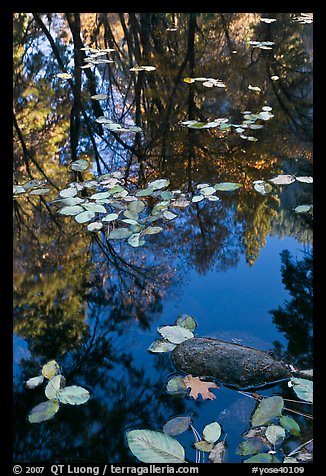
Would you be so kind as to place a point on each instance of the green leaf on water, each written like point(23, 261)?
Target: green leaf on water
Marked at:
point(100, 195)
point(268, 409)
point(158, 184)
point(227, 186)
point(204, 445)
point(110, 217)
point(212, 432)
point(207, 191)
point(290, 425)
point(161, 345)
point(250, 446)
point(169, 215)
point(79, 165)
point(85, 216)
point(275, 434)
point(18, 189)
point(95, 226)
point(303, 208)
point(186, 321)
point(34, 381)
point(305, 179)
point(71, 210)
point(136, 240)
point(40, 191)
point(95, 207)
point(119, 234)
point(64, 75)
point(68, 192)
point(198, 198)
point(262, 187)
point(50, 369)
point(136, 207)
point(152, 230)
point(166, 195)
point(303, 388)
point(262, 458)
point(176, 385)
point(155, 447)
point(53, 387)
point(177, 425)
point(99, 97)
point(44, 411)
point(175, 334)
point(145, 192)
point(73, 395)
point(282, 179)
point(254, 88)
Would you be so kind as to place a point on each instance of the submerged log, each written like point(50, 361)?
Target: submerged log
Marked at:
point(232, 364)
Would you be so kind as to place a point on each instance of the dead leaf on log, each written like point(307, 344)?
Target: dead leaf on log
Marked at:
point(199, 387)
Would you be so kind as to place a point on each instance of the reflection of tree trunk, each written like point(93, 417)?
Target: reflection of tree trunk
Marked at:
point(226, 32)
point(191, 101)
point(74, 24)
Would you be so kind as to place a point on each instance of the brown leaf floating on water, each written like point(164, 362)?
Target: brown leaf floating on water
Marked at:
point(199, 387)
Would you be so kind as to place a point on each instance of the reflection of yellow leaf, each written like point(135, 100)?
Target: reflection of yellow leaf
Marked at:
point(198, 387)
point(188, 80)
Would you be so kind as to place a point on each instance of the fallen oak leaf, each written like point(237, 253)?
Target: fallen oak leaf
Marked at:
point(199, 387)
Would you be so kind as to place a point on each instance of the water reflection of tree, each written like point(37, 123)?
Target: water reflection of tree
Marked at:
point(294, 319)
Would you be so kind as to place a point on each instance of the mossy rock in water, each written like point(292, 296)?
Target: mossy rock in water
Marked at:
point(232, 364)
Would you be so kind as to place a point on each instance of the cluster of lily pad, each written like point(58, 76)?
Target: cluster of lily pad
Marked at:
point(55, 391)
point(207, 82)
point(111, 207)
point(248, 123)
